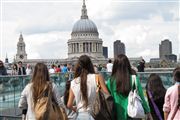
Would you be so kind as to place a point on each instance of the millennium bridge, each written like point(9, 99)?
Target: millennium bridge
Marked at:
point(12, 86)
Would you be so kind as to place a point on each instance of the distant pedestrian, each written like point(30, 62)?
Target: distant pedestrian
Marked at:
point(58, 69)
point(65, 69)
point(21, 69)
point(14, 69)
point(28, 69)
point(3, 70)
point(109, 66)
point(51, 70)
point(141, 66)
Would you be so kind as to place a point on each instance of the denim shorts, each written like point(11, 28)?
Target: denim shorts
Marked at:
point(84, 116)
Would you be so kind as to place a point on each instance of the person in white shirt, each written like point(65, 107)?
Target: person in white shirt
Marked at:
point(28, 70)
point(51, 70)
point(83, 88)
point(109, 66)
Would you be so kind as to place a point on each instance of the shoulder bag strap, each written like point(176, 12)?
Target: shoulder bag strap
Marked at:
point(155, 106)
point(134, 82)
point(97, 82)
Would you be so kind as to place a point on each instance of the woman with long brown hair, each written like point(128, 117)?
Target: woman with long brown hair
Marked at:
point(29, 96)
point(171, 106)
point(83, 88)
point(120, 84)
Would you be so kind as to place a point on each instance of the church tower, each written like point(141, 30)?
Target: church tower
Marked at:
point(21, 52)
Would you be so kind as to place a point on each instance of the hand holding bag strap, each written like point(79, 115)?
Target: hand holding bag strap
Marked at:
point(155, 106)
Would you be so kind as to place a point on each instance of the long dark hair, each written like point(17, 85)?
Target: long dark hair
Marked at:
point(16, 67)
point(155, 86)
point(176, 75)
point(66, 92)
point(39, 80)
point(121, 72)
point(83, 67)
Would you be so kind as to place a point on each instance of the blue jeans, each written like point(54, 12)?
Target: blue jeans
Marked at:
point(84, 116)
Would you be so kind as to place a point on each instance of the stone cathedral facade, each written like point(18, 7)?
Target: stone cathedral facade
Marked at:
point(85, 38)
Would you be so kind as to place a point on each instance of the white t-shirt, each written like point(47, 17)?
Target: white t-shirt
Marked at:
point(51, 71)
point(91, 87)
point(109, 67)
point(28, 71)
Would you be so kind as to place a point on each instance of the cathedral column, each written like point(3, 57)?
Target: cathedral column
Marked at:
point(86, 47)
point(89, 47)
point(77, 47)
point(80, 47)
point(74, 47)
point(69, 48)
point(94, 50)
point(83, 47)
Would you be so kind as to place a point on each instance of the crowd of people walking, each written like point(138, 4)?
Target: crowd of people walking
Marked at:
point(81, 92)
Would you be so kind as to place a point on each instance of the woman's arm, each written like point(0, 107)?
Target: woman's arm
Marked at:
point(71, 100)
point(166, 115)
point(56, 96)
point(141, 94)
point(102, 84)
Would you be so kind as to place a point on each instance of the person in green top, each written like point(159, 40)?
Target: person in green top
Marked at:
point(120, 84)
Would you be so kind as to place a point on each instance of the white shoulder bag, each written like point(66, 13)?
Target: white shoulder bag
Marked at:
point(134, 108)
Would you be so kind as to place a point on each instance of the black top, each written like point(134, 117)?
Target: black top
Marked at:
point(159, 103)
point(22, 71)
point(3, 71)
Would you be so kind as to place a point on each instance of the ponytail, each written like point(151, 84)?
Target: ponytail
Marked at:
point(83, 86)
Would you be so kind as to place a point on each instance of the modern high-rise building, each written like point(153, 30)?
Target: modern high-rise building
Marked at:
point(165, 48)
point(119, 48)
point(105, 52)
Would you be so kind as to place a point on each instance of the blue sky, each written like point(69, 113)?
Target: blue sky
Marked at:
point(47, 24)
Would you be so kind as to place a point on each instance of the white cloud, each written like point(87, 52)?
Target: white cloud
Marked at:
point(47, 26)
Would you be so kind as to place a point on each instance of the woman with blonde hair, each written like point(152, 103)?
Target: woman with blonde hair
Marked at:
point(83, 88)
point(29, 96)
